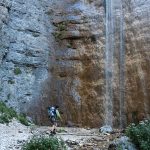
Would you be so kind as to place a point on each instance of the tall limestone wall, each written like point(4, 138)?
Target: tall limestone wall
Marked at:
point(25, 49)
point(54, 52)
point(137, 38)
point(78, 73)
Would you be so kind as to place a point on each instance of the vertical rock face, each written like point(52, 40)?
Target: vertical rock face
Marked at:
point(137, 19)
point(25, 47)
point(63, 52)
point(129, 33)
point(78, 73)
point(127, 48)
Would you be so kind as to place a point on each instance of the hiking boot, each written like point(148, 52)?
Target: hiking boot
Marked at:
point(54, 131)
point(52, 134)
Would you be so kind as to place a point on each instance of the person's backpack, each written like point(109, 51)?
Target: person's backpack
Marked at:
point(52, 112)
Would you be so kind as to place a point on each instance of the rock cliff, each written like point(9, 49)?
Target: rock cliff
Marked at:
point(137, 37)
point(25, 45)
point(90, 57)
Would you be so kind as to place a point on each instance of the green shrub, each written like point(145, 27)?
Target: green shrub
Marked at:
point(44, 143)
point(60, 30)
point(4, 118)
point(7, 114)
point(17, 71)
point(62, 26)
point(119, 147)
point(22, 119)
point(140, 134)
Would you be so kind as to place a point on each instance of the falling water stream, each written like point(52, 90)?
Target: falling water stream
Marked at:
point(114, 18)
point(109, 52)
point(122, 69)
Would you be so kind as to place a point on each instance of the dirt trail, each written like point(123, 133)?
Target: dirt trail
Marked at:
point(80, 138)
point(15, 134)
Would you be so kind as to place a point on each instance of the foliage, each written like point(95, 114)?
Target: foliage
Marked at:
point(119, 147)
point(7, 114)
point(60, 31)
point(22, 119)
point(140, 134)
point(62, 26)
point(44, 143)
point(17, 71)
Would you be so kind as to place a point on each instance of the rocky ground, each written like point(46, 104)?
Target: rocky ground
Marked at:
point(15, 134)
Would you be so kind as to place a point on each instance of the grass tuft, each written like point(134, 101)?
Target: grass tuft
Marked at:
point(17, 71)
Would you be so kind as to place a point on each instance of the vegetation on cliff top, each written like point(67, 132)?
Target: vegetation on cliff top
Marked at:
point(7, 114)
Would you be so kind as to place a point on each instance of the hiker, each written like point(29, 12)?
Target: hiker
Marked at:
point(54, 116)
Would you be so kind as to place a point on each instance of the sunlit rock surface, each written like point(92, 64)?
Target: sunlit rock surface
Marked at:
point(78, 72)
point(24, 51)
point(137, 23)
point(54, 52)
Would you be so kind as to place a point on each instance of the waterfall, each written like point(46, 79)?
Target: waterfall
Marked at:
point(122, 69)
point(109, 55)
point(114, 35)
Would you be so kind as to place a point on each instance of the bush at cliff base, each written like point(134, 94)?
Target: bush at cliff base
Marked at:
point(7, 114)
point(44, 143)
point(140, 134)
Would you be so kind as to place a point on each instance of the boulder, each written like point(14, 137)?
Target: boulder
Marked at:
point(122, 143)
point(106, 129)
